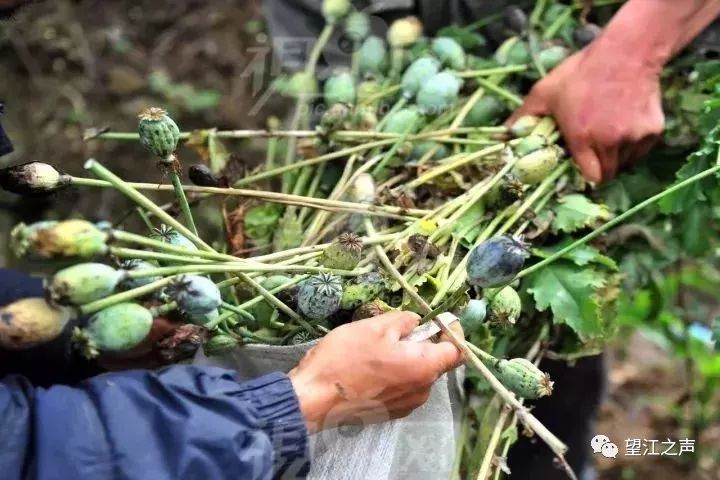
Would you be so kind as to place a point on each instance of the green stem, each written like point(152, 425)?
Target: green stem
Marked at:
point(487, 72)
point(503, 92)
point(144, 202)
point(121, 252)
point(391, 153)
point(398, 105)
point(557, 24)
point(182, 201)
point(619, 219)
point(90, 308)
point(242, 268)
point(232, 308)
point(272, 299)
point(145, 219)
point(127, 237)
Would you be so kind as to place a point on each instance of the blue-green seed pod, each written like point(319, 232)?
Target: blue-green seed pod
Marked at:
point(361, 290)
point(83, 283)
point(120, 327)
point(158, 132)
point(339, 88)
point(439, 94)
point(319, 296)
point(134, 265)
point(417, 74)
point(203, 319)
point(553, 56)
point(373, 56)
point(495, 262)
point(302, 85)
point(195, 295)
point(473, 315)
point(486, 112)
point(534, 167)
point(399, 121)
point(171, 236)
point(450, 53)
point(357, 26)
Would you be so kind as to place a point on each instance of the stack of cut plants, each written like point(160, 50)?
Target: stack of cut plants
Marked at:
point(395, 185)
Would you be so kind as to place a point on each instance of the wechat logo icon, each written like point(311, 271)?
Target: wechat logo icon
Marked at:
point(601, 444)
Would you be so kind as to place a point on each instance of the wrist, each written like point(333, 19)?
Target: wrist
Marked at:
point(314, 398)
point(642, 37)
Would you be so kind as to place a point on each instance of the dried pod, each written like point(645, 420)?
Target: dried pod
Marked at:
point(29, 322)
point(201, 175)
point(344, 253)
point(404, 32)
point(33, 179)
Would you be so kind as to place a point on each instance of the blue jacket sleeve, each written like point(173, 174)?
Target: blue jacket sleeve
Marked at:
point(179, 423)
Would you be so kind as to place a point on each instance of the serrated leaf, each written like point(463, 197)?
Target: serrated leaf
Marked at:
point(575, 212)
point(571, 293)
point(580, 256)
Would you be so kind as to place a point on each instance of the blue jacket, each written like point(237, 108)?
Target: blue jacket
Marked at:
point(182, 422)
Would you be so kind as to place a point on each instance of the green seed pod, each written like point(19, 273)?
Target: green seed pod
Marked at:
point(120, 327)
point(513, 51)
point(344, 253)
point(33, 179)
point(439, 93)
point(417, 74)
point(485, 112)
point(523, 378)
point(70, 238)
point(319, 296)
point(220, 345)
point(171, 236)
point(83, 283)
point(203, 319)
point(29, 322)
point(357, 26)
point(421, 148)
point(364, 119)
point(450, 53)
point(362, 290)
point(339, 89)
point(335, 10)
point(530, 144)
point(158, 132)
point(553, 56)
point(524, 126)
point(133, 266)
point(404, 32)
point(372, 56)
point(369, 310)
point(302, 85)
point(399, 121)
point(535, 166)
point(473, 315)
point(505, 306)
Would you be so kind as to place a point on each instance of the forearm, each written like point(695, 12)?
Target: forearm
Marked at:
point(648, 33)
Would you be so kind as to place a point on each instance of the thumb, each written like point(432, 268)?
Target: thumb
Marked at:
point(395, 324)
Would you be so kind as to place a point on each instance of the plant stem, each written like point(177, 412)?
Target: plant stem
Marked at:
point(90, 308)
point(182, 201)
point(487, 72)
point(272, 299)
point(238, 268)
point(619, 219)
point(121, 252)
point(127, 237)
point(144, 202)
point(503, 92)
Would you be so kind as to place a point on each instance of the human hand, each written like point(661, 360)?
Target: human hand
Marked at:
point(363, 372)
point(607, 104)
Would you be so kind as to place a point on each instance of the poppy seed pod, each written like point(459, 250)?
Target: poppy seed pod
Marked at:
point(29, 322)
point(32, 179)
point(158, 132)
point(404, 32)
point(70, 238)
point(344, 253)
point(83, 283)
point(319, 296)
point(335, 10)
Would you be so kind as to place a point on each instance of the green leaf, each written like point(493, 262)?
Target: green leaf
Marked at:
point(260, 221)
point(580, 256)
point(573, 294)
point(467, 39)
point(575, 212)
point(469, 225)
